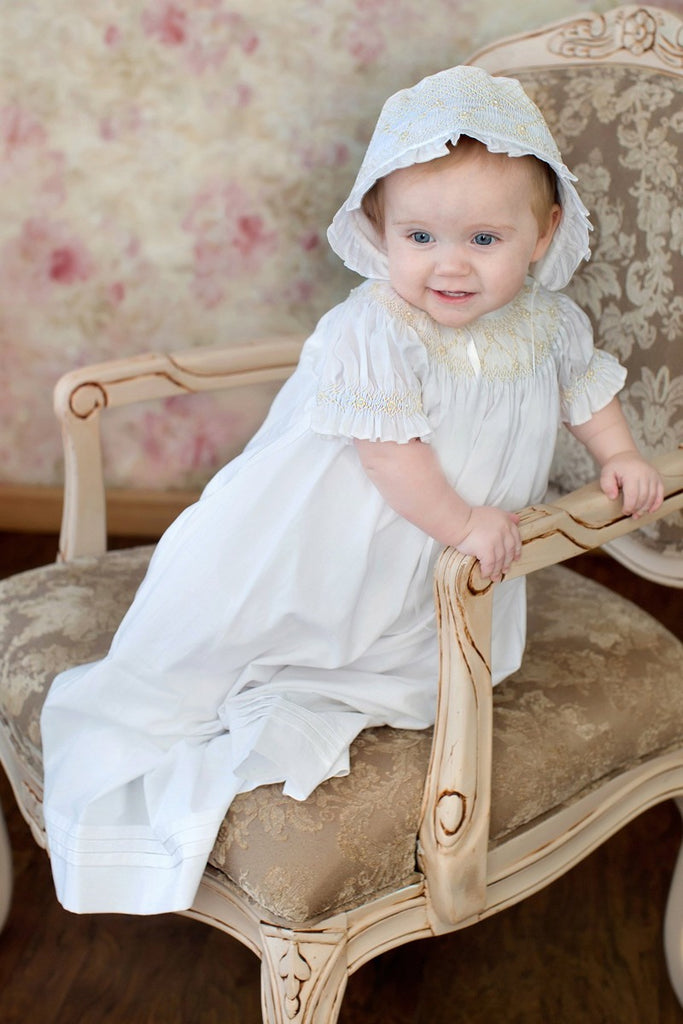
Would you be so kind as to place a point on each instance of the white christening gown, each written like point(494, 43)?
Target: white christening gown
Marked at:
point(291, 607)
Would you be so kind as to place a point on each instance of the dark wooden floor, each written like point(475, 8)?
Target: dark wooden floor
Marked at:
point(586, 950)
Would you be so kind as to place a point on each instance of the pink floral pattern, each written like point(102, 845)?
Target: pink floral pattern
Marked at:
point(44, 254)
point(230, 238)
point(167, 173)
point(204, 30)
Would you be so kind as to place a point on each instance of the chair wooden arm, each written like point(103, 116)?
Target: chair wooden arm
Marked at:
point(81, 396)
point(454, 828)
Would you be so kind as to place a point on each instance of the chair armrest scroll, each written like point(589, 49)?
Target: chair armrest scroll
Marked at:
point(81, 396)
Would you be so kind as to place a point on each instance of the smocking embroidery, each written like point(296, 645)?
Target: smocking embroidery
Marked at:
point(373, 400)
point(578, 387)
point(503, 344)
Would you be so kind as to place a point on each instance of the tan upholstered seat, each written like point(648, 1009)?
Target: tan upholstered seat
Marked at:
point(355, 838)
point(434, 830)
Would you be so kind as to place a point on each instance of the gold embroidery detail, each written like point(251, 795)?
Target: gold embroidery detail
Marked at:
point(367, 399)
point(495, 108)
point(572, 391)
point(580, 385)
point(503, 342)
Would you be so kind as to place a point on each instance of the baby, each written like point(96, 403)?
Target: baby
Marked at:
point(292, 606)
point(460, 233)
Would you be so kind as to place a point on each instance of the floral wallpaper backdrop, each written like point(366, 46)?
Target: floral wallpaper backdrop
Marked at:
point(168, 171)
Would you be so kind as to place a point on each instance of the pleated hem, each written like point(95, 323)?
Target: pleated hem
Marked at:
point(129, 871)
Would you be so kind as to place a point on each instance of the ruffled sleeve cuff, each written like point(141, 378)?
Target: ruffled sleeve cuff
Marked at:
point(602, 379)
point(370, 377)
point(589, 378)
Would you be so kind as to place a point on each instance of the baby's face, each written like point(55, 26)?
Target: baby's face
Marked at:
point(460, 235)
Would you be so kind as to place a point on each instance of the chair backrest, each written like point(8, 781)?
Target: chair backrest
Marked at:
point(611, 89)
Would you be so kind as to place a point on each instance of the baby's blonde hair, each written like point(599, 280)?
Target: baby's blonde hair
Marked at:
point(544, 195)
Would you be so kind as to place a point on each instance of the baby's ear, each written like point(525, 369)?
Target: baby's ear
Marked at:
point(546, 237)
point(377, 235)
point(372, 207)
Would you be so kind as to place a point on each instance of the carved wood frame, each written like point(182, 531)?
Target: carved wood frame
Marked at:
point(649, 36)
point(304, 971)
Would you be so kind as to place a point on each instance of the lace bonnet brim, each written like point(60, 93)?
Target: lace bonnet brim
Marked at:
point(414, 127)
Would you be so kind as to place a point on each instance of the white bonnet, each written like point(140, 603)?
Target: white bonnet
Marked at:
point(415, 125)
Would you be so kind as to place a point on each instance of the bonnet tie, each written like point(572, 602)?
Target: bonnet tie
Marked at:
point(534, 290)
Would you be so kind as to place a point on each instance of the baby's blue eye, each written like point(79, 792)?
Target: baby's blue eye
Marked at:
point(483, 239)
point(421, 237)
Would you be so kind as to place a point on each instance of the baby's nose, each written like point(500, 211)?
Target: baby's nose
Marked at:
point(453, 259)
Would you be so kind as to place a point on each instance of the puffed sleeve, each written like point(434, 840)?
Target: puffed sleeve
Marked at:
point(370, 371)
point(589, 378)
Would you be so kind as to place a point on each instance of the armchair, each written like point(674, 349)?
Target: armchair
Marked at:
point(435, 830)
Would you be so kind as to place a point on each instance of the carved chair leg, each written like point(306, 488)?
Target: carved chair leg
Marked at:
point(673, 923)
point(5, 872)
point(303, 975)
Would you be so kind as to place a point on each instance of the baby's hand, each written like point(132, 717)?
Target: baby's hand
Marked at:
point(640, 484)
point(492, 535)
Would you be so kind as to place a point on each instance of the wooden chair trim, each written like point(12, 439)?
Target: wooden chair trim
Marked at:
point(82, 395)
point(653, 565)
point(454, 829)
point(628, 34)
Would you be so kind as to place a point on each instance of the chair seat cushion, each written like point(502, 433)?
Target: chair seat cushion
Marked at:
point(599, 691)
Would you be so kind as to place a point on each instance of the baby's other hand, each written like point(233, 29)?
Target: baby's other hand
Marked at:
point(493, 537)
point(640, 484)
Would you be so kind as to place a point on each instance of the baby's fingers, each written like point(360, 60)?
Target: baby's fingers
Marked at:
point(609, 483)
point(504, 553)
point(642, 493)
point(646, 497)
point(658, 495)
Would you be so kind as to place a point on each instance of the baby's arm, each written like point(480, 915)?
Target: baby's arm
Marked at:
point(607, 437)
point(410, 479)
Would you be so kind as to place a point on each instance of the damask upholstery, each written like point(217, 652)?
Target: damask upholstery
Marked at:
point(608, 122)
point(50, 619)
point(554, 737)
